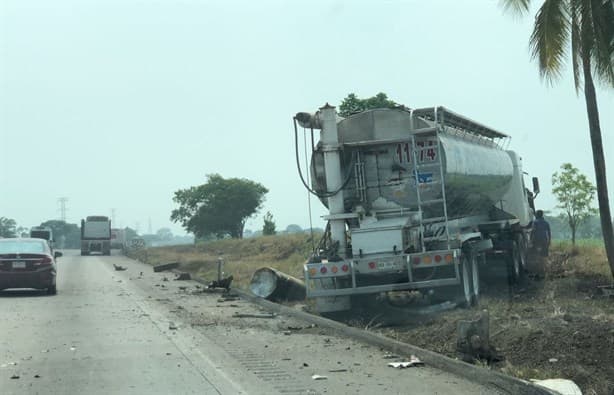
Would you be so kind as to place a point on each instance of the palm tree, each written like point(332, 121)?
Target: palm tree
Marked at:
point(586, 28)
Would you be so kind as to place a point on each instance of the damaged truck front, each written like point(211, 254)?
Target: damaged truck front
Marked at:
point(417, 199)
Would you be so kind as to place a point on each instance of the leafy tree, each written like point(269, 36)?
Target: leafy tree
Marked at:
point(219, 207)
point(294, 228)
point(22, 231)
point(130, 233)
point(268, 229)
point(8, 227)
point(65, 235)
point(575, 193)
point(586, 27)
point(352, 104)
point(164, 234)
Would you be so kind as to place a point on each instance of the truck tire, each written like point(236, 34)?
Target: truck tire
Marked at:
point(524, 251)
point(515, 269)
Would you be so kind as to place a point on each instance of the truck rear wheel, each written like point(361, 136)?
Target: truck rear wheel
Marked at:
point(515, 269)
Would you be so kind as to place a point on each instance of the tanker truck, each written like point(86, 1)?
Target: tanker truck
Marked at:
point(417, 199)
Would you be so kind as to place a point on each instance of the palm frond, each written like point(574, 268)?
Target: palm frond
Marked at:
point(550, 37)
point(602, 55)
point(518, 7)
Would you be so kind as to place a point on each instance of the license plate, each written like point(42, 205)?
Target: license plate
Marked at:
point(19, 265)
point(385, 265)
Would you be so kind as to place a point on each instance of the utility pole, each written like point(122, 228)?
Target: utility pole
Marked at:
point(62, 201)
point(113, 217)
point(149, 230)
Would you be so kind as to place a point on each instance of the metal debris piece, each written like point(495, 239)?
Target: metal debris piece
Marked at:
point(172, 326)
point(165, 266)
point(183, 276)
point(561, 386)
point(119, 268)
point(318, 377)
point(14, 377)
point(246, 315)
point(277, 286)
point(607, 290)
point(413, 361)
point(338, 370)
point(390, 355)
point(222, 283)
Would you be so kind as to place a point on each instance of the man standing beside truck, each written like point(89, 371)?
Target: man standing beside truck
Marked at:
point(541, 233)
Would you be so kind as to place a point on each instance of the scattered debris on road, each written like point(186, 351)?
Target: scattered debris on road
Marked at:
point(223, 283)
point(245, 315)
point(318, 377)
point(228, 299)
point(119, 268)
point(413, 361)
point(165, 266)
point(172, 326)
point(606, 290)
point(14, 377)
point(183, 276)
point(561, 386)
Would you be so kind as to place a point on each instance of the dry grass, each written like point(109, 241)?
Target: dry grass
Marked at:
point(242, 258)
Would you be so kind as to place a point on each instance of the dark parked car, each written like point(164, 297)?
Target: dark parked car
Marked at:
point(27, 263)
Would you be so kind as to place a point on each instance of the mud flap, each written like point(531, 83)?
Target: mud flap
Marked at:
point(330, 304)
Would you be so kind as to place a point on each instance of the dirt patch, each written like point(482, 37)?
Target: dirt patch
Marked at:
point(558, 327)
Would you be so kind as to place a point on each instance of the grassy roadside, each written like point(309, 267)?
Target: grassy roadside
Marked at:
point(286, 253)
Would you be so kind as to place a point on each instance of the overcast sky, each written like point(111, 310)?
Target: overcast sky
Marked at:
point(118, 103)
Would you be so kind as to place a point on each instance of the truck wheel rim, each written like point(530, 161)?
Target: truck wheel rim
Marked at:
point(475, 277)
point(466, 282)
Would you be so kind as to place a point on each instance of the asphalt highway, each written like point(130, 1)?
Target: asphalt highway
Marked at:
point(133, 332)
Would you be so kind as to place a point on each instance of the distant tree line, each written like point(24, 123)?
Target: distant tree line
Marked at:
point(590, 228)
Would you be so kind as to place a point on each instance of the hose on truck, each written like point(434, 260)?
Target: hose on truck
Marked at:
point(300, 172)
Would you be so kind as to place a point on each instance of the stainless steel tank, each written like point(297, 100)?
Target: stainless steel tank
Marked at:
point(378, 165)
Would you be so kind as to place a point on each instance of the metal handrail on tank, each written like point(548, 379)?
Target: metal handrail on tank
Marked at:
point(462, 126)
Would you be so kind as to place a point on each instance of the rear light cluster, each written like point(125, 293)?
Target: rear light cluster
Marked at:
point(333, 269)
point(44, 261)
point(437, 258)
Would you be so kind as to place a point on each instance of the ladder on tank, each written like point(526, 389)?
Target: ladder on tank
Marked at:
point(436, 166)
